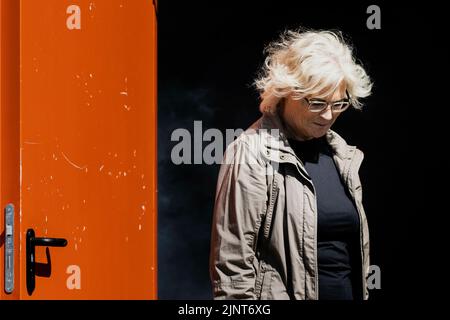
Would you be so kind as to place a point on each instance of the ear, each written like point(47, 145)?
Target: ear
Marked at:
point(269, 103)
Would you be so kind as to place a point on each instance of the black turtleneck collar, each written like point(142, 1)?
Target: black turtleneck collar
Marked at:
point(309, 150)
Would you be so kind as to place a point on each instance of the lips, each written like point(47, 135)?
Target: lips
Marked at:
point(320, 125)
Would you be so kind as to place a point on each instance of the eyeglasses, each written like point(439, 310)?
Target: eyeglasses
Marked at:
point(318, 105)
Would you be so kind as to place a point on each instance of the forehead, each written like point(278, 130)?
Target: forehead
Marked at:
point(330, 93)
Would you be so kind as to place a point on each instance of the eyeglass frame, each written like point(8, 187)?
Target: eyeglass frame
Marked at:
point(348, 99)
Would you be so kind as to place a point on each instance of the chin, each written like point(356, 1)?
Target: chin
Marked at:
point(319, 134)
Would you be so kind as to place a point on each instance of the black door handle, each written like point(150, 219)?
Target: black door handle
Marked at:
point(32, 242)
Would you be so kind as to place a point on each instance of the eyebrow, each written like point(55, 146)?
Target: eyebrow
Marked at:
point(322, 100)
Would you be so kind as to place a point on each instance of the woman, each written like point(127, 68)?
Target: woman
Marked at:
point(288, 216)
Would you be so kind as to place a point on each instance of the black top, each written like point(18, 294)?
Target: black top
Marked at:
point(338, 223)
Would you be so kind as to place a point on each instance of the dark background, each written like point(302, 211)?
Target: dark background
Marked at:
point(209, 54)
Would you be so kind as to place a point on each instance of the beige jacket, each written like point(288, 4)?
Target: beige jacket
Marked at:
point(264, 230)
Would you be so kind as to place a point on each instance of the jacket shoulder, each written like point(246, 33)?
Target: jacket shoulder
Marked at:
point(248, 145)
point(340, 145)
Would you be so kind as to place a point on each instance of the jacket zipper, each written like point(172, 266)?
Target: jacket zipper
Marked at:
point(265, 234)
point(316, 264)
point(352, 167)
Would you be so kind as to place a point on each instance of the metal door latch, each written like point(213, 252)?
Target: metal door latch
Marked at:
point(9, 248)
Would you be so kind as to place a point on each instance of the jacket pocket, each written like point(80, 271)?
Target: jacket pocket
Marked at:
point(271, 286)
point(278, 290)
point(265, 285)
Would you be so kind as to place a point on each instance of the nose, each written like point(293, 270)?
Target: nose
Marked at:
point(327, 114)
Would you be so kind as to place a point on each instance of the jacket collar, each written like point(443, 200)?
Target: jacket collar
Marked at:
point(276, 138)
point(276, 148)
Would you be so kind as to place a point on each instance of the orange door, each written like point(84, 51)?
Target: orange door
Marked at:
point(78, 148)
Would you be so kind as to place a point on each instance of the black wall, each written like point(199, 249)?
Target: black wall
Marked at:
point(209, 54)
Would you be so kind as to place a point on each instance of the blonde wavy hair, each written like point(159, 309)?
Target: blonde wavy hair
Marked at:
point(310, 63)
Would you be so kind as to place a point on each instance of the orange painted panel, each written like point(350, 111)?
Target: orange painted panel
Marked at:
point(9, 128)
point(88, 147)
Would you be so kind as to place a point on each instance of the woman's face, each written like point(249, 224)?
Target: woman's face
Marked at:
point(303, 124)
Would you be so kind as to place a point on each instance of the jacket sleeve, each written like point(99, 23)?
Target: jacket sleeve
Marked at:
point(240, 203)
